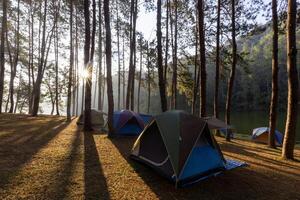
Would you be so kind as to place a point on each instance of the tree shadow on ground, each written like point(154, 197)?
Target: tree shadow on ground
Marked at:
point(95, 182)
point(23, 146)
point(60, 189)
point(241, 183)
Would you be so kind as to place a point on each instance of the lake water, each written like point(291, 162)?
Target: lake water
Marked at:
point(245, 122)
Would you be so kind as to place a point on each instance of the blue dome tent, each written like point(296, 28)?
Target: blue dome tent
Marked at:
point(261, 135)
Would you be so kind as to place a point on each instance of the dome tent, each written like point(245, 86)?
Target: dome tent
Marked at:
point(127, 122)
point(97, 118)
point(185, 150)
point(261, 135)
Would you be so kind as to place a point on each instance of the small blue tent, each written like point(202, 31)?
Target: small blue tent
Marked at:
point(129, 123)
point(261, 135)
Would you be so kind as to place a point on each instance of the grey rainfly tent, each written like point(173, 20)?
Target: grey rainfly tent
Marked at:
point(181, 148)
point(217, 124)
point(97, 118)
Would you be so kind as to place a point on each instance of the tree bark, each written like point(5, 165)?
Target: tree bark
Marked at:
point(71, 64)
point(2, 50)
point(88, 82)
point(15, 61)
point(174, 79)
point(56, 40)
point(202, 59)
point(196, 77)
point(100, 58)
point(293, 83)
point(232, 73)
point(161, 82)
point(119, 61)
point(167, 41)
point(131, 56)
point(110, 96)
point(274, 97)
point(140, 74)
point(217, 76)
point(37, 86)
point(148, 77)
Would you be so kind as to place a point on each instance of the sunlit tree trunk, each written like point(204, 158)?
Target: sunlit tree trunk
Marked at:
point(2, 50)
point(15, 61)
point(110, 96)
point(71, 64)
point(37, 86)
point(232, 73)
point(119, 61)
point(293, 83)
point(274, 96)
point(161, 82)
point(100, 58)
point(202, 58)
point(88, 67)
point(56, 41)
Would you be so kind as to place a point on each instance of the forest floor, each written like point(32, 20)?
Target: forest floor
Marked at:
point(47, 158)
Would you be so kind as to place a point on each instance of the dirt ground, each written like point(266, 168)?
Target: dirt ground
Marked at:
point(47, 158)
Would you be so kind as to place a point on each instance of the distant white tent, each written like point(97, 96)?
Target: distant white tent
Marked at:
point(97, 118)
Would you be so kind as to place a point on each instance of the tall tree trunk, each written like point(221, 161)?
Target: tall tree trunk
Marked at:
point(29, 54)
point(293, 83)
point(31, 66)
point(232, 73)
point(38, 82)
point(89, 68)
point(71, 64)
point(2, 50)
point(130, 72)
point(148, 77)
point(76, 62)
point(161, 82)
point(124, 74)
point(82, 96)
point(274, 98)
point(140, 75)
point(56, 40)
point(119, 61)
point(196, 77)
point(93, 33)
point(110, 97)
point(100, 58)
point(202, 58)
point(134, 56)
point(167, 41)
point(217, 76)
point(15, 62)
point(174, 79)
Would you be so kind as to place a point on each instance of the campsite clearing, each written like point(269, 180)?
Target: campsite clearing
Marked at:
point(46, 158)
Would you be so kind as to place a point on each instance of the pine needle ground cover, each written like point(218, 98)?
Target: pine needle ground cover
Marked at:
point(48, 158)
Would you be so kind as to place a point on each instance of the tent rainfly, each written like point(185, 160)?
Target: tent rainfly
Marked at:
point(97, 118)
point(181, 148)
point(127, 122)
point(261, 135)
